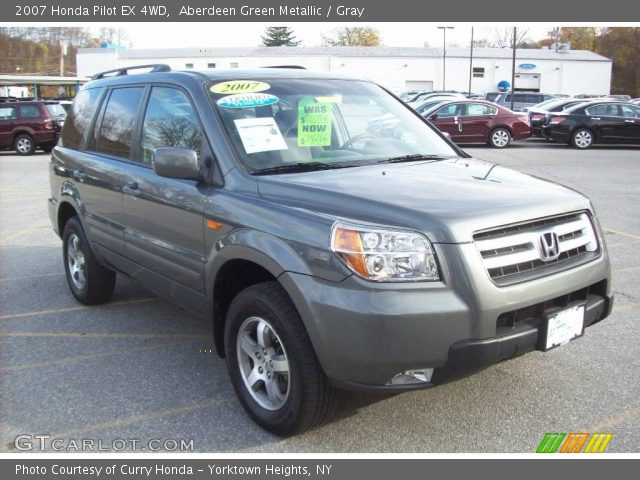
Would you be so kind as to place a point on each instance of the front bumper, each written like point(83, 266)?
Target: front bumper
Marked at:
point(365, 333)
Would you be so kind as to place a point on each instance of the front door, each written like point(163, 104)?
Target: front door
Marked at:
point(164, 217)
point(447, 119)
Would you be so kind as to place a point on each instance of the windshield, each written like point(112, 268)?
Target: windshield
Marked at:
point(319, 123)
point(56, 110)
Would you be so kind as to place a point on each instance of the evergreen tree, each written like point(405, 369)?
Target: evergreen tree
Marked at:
point(278, 37)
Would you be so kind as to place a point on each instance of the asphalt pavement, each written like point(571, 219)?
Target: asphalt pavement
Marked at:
point(140, 368)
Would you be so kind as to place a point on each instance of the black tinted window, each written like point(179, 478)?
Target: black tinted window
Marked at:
point(79, 117)
point(118, 121)
point(29, 111)
point(169, 122)
point(603, 109)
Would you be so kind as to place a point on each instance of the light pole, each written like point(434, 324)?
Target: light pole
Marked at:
point(444, 54)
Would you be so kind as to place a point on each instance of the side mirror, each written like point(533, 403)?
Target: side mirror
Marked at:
point(446, 135)
point(433, 117)
point(176, 162)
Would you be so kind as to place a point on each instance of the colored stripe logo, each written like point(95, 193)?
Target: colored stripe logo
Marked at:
point(574, 443)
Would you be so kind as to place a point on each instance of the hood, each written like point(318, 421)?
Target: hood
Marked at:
point(447, 200)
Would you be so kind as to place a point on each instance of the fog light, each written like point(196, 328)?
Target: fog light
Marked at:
point(412, 377)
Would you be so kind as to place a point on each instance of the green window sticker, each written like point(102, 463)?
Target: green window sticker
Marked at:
point(314, 123)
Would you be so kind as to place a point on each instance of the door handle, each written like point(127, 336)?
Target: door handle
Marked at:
point(629, 121)
point(79, 175)
point(131, 189)
point(460, 127)
point(595, 118)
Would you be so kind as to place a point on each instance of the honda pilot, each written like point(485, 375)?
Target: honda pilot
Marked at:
point(325, 256)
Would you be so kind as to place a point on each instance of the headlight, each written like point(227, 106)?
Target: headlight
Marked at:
point(385, 255)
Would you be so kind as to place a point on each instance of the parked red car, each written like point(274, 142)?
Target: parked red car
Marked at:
point(476, 121)
point(25, 126)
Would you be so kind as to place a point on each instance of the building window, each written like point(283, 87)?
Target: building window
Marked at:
point(188, 65)
point(211, 65)
point(234, 65)
point(478, 72)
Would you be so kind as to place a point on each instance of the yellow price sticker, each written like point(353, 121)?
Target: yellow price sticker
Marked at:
point(239, 86)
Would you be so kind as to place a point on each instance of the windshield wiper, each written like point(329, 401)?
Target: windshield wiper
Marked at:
point(413, 158)
point(301, 167)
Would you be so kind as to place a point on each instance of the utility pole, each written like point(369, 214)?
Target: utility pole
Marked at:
point(444, 54)
point(63, 52)
point(471, 63)
point(513, 65)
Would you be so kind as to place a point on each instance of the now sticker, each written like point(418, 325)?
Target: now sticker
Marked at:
point(314, 123)
point(239, 86)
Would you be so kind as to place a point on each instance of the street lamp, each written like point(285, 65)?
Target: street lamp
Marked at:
point(444, 54)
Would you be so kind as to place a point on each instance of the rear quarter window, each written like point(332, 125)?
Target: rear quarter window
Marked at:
point(29, 111)
point(79, 117)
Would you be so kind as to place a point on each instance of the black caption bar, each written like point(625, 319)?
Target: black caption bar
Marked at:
point(32, 11)
point(326, 469)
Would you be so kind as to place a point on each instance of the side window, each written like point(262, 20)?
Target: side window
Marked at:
point(451, 110)
point(79, 117)
point(118, 121)
point(480, 109)
point(8, 113)
point(602, 109)
point(169, 122)
point(29, 111)
point(629, 112)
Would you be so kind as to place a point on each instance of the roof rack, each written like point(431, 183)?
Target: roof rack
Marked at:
point(155, 68)
point(297, 67)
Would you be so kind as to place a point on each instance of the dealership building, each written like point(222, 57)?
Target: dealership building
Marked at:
point(551, 70)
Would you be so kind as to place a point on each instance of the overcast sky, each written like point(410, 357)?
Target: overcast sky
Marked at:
point(248, 34)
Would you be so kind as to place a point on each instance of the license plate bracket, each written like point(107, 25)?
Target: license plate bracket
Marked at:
point(562, 326)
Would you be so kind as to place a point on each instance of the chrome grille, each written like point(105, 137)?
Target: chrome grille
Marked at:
point(517, 252)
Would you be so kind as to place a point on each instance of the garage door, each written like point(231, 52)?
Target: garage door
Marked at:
point(527, 81)
point(424, 85)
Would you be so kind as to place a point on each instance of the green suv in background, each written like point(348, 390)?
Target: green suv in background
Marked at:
point(325, 253)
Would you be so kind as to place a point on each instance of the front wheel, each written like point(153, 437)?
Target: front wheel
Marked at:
point(500, 138)
point(89, 282)
point(272, 364)
point(582, 138)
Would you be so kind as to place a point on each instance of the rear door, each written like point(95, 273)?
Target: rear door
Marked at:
point(477, 121)
point(164, 217)
point(630, 117)
point(604, 119)
point(8, 116)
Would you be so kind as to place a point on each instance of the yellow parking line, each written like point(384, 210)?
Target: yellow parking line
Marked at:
point(613, 421)
point(133, 419)
point(104, 335)
point(27, 277)
point(624, 234)
point(12, 316)
point(77, 358)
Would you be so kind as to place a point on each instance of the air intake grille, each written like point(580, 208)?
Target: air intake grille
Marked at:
point(516, 253)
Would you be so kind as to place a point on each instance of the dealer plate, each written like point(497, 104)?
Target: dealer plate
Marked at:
point(564, 326)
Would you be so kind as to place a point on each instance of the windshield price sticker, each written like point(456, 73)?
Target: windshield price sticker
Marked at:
point(314, 123)
point(260, 135)
point(239, 86)
point(247, 100)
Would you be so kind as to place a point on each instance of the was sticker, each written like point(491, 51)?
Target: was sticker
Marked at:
point(239, 86)
point(247, 100)
point(314, 123)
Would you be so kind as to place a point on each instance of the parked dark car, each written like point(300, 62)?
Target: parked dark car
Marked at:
point(539, 115)
point(26, 126)
point(586, 124)
point(475, 121)
point(521, 100)
point(322, 256)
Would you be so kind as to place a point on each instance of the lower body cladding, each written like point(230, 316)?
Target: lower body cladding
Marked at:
point(398, 336)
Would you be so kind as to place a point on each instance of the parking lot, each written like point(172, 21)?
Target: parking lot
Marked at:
point(140, 368)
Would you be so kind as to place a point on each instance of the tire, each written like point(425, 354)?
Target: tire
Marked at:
point(47, 147)
point(89, 282)
point(500, 138)
point(302, 398)
point(582, 138)
point(24, 144)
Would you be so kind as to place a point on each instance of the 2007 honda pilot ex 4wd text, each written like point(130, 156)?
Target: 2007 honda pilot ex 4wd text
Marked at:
point(325, 255)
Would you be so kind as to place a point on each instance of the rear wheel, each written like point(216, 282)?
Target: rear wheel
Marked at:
point(500, 138)
point(24, 144)
point(582, 138)
point(89, 282)
point(271, 362)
